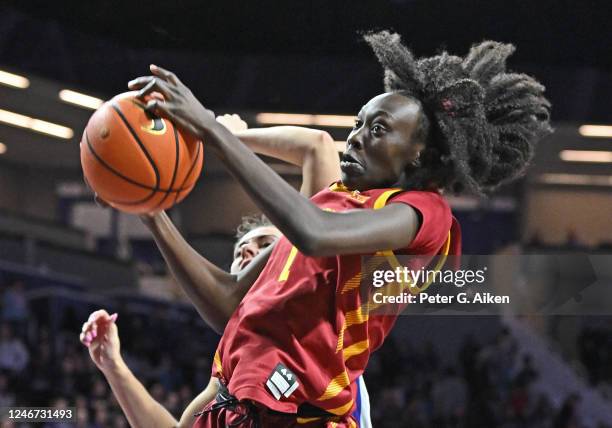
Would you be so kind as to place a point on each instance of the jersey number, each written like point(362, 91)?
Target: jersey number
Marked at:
point(285, 272)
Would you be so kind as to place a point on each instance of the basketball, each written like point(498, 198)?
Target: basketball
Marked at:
point(135, 162)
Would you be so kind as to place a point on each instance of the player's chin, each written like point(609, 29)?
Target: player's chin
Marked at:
point(353, 180)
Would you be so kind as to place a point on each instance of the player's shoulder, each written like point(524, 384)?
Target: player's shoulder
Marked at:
point(431, 200)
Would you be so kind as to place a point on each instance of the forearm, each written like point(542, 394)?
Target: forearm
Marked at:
point(210, 289)
point(288, 143)
point(312, 150)
point(140, 409)
point(313, 231)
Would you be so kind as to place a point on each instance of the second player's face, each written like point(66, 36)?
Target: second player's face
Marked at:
point(380, 147)
point(251, 244)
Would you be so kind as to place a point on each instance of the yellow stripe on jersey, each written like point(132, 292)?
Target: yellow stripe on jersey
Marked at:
point(394, 263)
point(340, 343)
point(306, 420)
point(335, 386)
point(285, 272)
point(351, 284)
point(217, 361)
point(381, 201)
point(357, 316)
point(342, 409)
point(356, 349)
point(354, 317)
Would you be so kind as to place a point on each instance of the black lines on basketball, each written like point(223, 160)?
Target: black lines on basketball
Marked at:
point(120, 175)
point(130, 163)
point(142, 147)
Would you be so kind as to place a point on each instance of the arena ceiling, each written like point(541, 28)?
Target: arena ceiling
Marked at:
point(292, 56)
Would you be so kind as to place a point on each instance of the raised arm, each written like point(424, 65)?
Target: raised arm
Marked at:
point(312, 230)
point(100, 335)
point(312, 150)
point(214, 292)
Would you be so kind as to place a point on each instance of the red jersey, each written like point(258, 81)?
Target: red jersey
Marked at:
point(305, 312)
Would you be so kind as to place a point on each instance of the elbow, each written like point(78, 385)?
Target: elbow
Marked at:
point(326, 144)
point(312, 244)
point(321, 144)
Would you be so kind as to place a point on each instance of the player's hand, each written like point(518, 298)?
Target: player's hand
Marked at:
point(100, 335)
point(233, 122)
point(179, 104)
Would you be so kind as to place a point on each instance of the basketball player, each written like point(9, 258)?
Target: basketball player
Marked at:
point(301, 335)
point(315, 153)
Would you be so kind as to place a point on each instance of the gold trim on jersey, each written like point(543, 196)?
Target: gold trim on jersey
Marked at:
point(306, 420)
point(355, 349)
point(361, 314)
point(341, 410)
point(217, 361)
point(353, 194)
point(351, 284)
point(336, 385)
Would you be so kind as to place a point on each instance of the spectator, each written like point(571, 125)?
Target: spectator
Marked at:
point(449, 395)
point(7, 398)
point(567, 417)
point(14, 355)
point(15, 309)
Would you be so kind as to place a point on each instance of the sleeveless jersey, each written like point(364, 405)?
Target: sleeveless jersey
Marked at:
point(305, 314)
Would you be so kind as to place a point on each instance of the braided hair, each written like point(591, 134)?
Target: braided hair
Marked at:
point(480, 122)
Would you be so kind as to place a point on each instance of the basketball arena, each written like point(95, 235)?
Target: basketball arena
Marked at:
point(391, 213)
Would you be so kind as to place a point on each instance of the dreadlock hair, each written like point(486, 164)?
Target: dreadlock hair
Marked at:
point(251, 222)
point(480, 122)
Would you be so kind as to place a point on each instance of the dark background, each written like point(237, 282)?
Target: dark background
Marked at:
point(304, 54)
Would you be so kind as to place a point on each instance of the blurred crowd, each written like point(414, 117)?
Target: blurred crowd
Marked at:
point(488, 384)
point(595, 352)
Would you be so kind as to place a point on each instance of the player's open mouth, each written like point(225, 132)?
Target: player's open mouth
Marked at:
point(244, 263)
point(349, 164)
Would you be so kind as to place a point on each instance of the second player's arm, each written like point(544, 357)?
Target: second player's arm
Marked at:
point(214, 292)
point(312, 150)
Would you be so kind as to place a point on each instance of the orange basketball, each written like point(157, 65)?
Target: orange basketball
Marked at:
point(136, 163)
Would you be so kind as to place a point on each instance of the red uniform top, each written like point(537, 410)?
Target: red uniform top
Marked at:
point(305, 312)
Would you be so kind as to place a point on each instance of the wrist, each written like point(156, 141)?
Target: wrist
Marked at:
point(115, 367)
point(150, 220)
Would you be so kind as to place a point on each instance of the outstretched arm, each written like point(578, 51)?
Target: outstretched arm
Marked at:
point(312, 150)
point(214, 292)
point(313, 231)
point(101, 337)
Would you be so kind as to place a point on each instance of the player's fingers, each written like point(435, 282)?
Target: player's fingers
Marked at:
point(159, 108)
point(155, 85)
point(84, 341)
point(139, 82)
point(86, 338)
point(96, 314)
point(165, 74)
point(95, 318)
